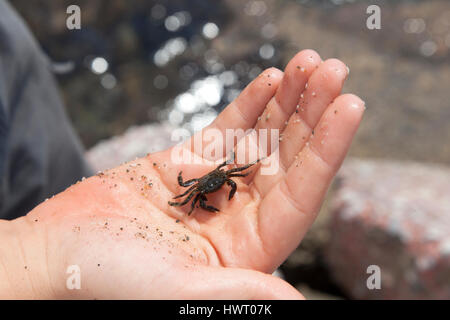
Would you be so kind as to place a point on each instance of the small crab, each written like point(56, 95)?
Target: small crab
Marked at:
point(209, 183)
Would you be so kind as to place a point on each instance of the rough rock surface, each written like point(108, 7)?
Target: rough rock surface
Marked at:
point(135, 142)
point(395, 215)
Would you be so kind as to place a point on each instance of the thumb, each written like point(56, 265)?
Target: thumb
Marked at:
point(240, 284)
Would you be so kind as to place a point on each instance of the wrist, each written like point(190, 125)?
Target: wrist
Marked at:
point(23, 266)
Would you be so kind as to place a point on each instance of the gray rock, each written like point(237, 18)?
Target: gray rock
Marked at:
point(135, 142)
point(395, 215)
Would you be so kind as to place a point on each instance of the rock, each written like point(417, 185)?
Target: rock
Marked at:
point(395, 215)
point(135, 142)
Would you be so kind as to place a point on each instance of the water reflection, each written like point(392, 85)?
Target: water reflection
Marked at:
point(266, 51)
point(228, 78)
point(414, 25)
point(178, 20)
point(213, 81)
point(160, 82)
point(255, 8)
point(99, 65)
point(198, 100)
point(428, 48)
point(210, 30)
point(269, 31)
point(169, 50)
point(108, 81)
point(192, 58)
point(201, 120)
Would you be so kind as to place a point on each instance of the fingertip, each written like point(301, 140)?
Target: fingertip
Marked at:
point(305, 61)
point(295, 77)
point(272, 72)
point(268, 80)
point(351, 102)
point(311, 56)
point(336, 68)
point(254, 98)
point(333, 62)
point(334, 133)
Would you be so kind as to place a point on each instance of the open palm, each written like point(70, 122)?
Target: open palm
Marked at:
point(130, 243)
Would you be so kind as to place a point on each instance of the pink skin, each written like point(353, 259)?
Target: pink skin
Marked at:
point(126, 239)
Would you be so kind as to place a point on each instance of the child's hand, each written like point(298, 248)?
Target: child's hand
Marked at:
point(129, 243)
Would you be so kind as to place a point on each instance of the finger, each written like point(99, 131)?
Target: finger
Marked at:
point(279, 108)
point(324, 85)
point(291, 206)
point(283, 104)
point(238, 284)
point(241, 114)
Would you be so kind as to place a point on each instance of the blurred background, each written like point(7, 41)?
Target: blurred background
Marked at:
point(139, 68)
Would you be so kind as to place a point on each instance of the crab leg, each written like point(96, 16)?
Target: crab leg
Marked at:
point(223, 164)
point(242, 168)
point(193, 203)
point(185, 193)
point(178, 204)
point(186, 183)
point(239, 174)
point(203, 200)
point(233, 188)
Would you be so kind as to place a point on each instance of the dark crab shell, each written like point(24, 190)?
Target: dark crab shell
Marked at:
point(211, 182)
